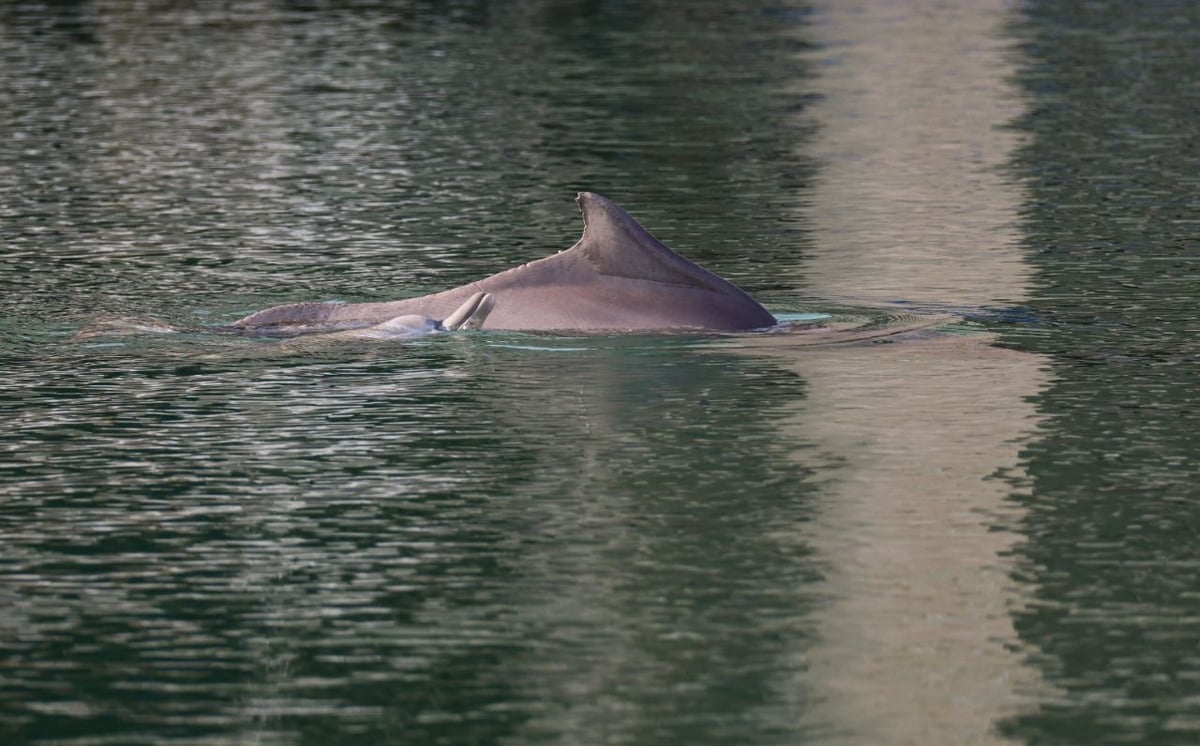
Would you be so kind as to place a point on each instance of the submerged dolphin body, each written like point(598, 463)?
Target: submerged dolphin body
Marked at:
point(469, 315)
point(618, 277)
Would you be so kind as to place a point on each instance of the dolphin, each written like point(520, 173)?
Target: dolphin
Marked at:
point(469, 315)
point(617, 277)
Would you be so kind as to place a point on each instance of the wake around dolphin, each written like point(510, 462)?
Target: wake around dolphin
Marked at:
point(617, 277)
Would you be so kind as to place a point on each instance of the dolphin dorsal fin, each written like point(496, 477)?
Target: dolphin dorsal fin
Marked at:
point(615, 244)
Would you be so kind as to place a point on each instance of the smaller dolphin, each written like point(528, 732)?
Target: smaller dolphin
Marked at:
point(470, 315)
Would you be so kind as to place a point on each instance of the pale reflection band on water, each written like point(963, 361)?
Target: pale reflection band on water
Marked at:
point(910, 201)
point(917, 643)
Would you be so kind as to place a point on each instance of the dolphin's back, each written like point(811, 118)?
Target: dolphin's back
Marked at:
point(617, 277)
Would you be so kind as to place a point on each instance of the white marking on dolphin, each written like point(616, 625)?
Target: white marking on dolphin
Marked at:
point(617, 277)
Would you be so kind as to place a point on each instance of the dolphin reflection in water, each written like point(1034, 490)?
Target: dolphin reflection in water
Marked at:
point(617, 278)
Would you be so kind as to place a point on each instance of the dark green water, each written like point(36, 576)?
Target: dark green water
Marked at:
point(503, 538)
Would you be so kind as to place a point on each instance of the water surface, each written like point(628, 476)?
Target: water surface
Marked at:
point(974, 536)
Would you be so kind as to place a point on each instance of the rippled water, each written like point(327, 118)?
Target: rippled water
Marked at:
point(975, 534)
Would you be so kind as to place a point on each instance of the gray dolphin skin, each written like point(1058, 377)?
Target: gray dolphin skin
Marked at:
point(618, 277)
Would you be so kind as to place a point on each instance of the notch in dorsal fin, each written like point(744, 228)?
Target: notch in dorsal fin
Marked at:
point(615, 244)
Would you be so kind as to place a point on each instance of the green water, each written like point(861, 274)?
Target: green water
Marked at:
point(506, 538)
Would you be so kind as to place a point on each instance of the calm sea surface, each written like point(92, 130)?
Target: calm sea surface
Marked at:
point(982, 536)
